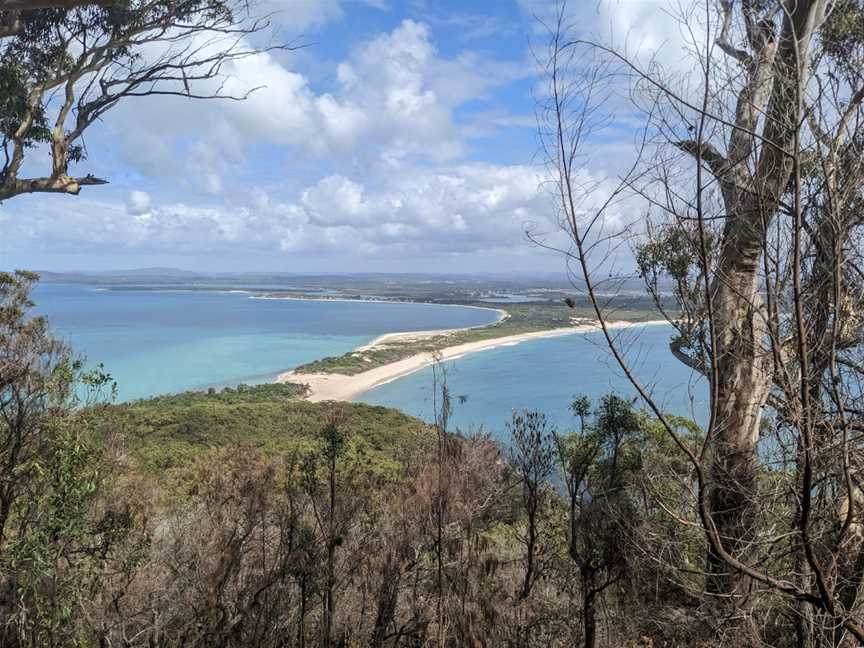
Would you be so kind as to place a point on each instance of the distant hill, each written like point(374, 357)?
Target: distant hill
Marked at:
point(135, 275)
point(148, 272)
point(432, 288)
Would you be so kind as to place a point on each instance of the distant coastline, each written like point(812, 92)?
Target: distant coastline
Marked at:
point(267, 294)
point(342, 387)
point(380, 300)
point(334, 371)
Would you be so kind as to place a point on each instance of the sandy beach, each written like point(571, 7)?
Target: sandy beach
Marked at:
point(339, 387)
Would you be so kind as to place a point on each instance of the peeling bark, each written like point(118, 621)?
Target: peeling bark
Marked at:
point(743, 361)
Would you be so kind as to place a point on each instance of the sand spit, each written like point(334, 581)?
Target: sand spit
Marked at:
point(339, 387)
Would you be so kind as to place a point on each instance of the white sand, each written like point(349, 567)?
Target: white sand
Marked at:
point(338, 387)
point(414, 336)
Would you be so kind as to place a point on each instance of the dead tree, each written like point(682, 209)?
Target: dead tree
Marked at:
point(333, 515)
point(442, 408)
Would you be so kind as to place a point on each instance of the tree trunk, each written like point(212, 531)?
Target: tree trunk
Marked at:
point(743, 378)
point(5, 510)
point(803, 610)
point(528, 582)
point(740, 393)
point(589, 611)
point(301, 622)
point(327, 636)
point(388, 598)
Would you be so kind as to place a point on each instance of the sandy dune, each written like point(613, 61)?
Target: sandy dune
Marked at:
point(330, 386)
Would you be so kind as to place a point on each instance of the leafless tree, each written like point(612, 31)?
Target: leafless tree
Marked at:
point(334, 512)
point(442, 407)
point(748, 173)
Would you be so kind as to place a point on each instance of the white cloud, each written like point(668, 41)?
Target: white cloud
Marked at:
point(371, 161)
point(394, 97)
point(309, 14)
point(384, 96)
point(466, 208)
point(336, 200)
point(644, 30)
point(138, 202)
point(300, 15)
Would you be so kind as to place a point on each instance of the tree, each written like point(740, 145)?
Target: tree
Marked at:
point(532, 460)
point(55, 558)
point(442, 408)
point(749, 170)
point(53, 461)
point(11, 10)
point(599, 465)
point(334, 513)
point(64, 68)
point(37, 377)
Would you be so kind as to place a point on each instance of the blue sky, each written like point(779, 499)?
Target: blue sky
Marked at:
point(401, 138)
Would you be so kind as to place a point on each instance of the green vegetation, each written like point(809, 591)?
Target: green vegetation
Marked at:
point(165, 435)
point(268, 392)
point(520, 318)
point(251, 517)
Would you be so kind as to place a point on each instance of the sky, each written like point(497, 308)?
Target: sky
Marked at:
point(401, 138)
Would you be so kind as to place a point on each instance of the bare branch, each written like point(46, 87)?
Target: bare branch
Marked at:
point(96, 68)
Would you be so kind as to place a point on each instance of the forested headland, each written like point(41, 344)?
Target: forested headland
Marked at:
point(250, 516)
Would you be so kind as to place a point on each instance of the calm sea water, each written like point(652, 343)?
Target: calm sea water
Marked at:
point(545, 375)
point(156, 342)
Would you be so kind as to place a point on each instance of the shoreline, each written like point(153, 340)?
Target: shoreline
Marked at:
point(419, 335)
point(381, 301)
point(340, 387)
point(389, 337)
point(265, 294)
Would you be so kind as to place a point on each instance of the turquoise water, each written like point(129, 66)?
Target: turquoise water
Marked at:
point(156, 342)
point(546, 374)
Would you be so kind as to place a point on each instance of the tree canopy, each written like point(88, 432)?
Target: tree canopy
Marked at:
point(63, 67)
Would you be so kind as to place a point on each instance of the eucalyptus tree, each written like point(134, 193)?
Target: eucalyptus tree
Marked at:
point(748, 175)
point(12, 10)
point(64, 65)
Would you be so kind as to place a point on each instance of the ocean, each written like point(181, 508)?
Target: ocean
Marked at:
point(163, 341)
point(156, 342)
point(545, 375)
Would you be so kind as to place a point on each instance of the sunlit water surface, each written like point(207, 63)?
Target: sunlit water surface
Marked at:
point(155, 342)
point(545, 374)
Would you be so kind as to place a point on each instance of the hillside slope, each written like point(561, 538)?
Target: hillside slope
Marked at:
point(167, 434)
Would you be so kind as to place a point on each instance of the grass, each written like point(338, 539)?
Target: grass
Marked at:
point(522, 318)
